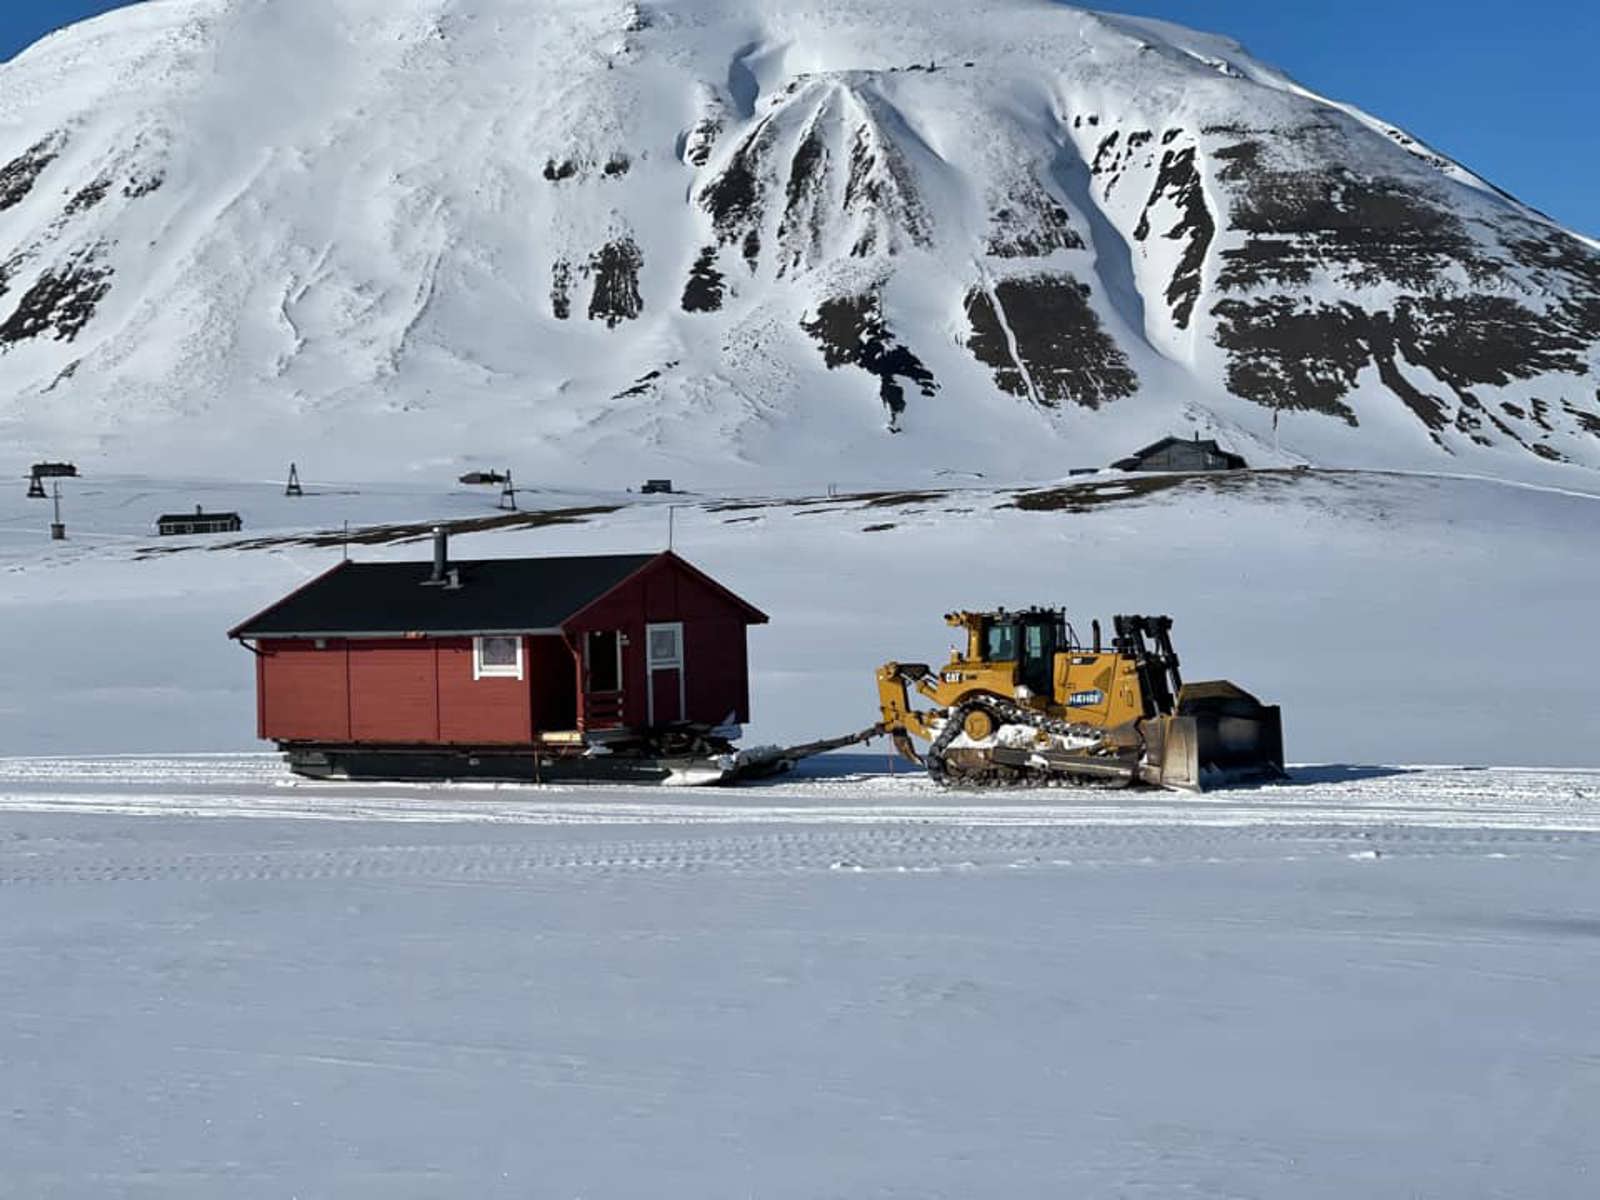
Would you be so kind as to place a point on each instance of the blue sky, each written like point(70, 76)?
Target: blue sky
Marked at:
point(1508, 89)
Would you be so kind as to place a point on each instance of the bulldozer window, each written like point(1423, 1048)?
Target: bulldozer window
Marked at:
point(1033, 646)
point(1000, 643)
point(1037, 650)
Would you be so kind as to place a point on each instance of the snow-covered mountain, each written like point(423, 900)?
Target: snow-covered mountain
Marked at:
point(739, 239)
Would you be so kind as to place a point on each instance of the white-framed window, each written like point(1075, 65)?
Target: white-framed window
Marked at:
point(665, 645)
point(496, 657)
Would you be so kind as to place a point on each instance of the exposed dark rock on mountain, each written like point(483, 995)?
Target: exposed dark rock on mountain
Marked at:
point(615, 270)
point(1092, 230)
point(60, 302)
point(1044, 342)
point(1179, 184)
point(703, 291)
point(18, 176)
point(851, 332)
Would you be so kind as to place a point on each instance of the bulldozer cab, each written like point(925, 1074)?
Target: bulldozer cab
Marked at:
point(1119, 712)
point(1028, 639)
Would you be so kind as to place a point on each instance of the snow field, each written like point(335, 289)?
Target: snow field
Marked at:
point(354, 1009)
point(218, 980)
point(1396, 618)
point(841, 789)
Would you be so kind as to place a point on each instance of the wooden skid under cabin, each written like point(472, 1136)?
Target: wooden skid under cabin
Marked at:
point(498, 667)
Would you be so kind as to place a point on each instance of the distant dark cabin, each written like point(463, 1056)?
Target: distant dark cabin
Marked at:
point(1179, 454)
point(498, 653)
point(199, 521)
point(40, 471)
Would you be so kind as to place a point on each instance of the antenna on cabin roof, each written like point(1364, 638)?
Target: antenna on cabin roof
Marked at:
point(292, 488)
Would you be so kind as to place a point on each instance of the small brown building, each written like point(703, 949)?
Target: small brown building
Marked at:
point(499, 653)
point(1178, 454)
point(199, 521)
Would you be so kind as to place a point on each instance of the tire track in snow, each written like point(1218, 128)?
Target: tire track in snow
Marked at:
point(896, 849)
point(258, 786)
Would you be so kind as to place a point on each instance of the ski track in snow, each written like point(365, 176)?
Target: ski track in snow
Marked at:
point(850, 821)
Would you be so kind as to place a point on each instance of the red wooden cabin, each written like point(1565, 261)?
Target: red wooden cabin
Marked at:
point(500, 654)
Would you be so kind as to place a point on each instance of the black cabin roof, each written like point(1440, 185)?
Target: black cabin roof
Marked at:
point(1162, 444)
point(1199, 443)
point(497, 595)
point(197, 515)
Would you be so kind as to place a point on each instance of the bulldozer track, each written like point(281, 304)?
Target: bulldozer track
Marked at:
point(859, 797)
point(998, 775)
point(898, 850)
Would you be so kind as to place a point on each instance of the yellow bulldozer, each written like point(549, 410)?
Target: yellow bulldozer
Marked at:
point(1024, 702)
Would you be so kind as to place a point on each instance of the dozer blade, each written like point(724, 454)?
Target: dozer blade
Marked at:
point(1220, 735)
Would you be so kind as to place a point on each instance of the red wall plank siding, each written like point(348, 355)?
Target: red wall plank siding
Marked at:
point(635, 700)
point(714, 671)
point(715, 675)
point(394, 691)
point(552, 683)
point(421, 691)
point(481, 712)
point(661, 588)
point(666, 693)
point(304, 691)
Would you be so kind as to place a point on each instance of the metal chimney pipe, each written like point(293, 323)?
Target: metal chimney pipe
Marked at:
point(441, 553)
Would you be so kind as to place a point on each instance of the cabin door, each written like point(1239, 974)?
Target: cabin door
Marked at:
point(664, 658)
point(602, 682)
